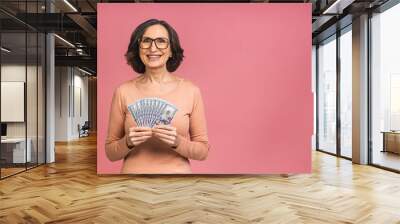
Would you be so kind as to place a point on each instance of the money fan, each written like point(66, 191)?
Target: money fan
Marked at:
point(148, 112)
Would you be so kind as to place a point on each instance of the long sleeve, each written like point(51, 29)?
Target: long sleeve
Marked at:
point(116, 147)
point(197, 146)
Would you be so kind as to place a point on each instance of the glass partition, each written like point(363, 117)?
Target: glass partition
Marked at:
point(346, 93)
point(22, 89)
point(327, 95)
point(385, 89)
point(13, 95)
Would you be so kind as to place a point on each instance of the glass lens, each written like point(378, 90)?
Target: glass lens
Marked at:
point(162, 43)
point(146, 42)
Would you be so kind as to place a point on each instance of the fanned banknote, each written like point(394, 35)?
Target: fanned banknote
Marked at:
point(148, 112)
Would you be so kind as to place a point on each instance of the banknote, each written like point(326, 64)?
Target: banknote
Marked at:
point(148, 112)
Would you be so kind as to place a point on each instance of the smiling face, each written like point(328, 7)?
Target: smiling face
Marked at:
point(151, 56)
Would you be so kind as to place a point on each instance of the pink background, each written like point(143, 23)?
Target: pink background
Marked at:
point(252, 63)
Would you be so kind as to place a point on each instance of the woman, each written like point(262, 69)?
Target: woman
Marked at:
point(154, 52)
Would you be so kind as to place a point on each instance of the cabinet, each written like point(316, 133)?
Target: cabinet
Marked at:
point(391, 142)
point(13, 151)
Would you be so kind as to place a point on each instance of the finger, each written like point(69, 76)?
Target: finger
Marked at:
point(166, 132)
point(138, 143)
point(169, 137)
point(142, 138)
point(166, 127)
point(169, 142)
point(164, 136)
point(142, 129)
point(137, 134)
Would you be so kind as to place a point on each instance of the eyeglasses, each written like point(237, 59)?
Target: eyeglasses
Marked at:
point(161, 43)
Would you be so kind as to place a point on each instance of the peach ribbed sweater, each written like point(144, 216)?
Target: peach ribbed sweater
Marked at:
point(154, 156)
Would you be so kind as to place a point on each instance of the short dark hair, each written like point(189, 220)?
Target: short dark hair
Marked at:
point(132, 54)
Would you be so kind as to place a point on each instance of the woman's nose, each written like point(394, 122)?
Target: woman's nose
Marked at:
point(153, 46)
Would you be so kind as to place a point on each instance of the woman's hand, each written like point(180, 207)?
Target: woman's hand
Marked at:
point(167, 134)
point(138, 135)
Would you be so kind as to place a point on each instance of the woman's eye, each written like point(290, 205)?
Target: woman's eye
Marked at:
point(161, 40)
point(146, 40)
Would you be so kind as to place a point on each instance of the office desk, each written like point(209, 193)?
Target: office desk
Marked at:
point(13, 150)
point(391, 141)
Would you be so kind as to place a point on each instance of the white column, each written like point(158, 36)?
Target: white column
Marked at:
point(50, 92)
point(360, 90)
point(50, 109)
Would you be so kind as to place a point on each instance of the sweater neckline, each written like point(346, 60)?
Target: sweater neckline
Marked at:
point(147, 93)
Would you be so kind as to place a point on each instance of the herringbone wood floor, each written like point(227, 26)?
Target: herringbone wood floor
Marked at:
point(69, 191)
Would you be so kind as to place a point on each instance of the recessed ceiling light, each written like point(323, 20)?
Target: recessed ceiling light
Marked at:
point(64, 40)
point(337, 7)
point(5, 49)
point(70, 5)
point(84, 71)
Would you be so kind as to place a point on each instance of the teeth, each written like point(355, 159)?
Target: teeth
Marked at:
point(153, 57)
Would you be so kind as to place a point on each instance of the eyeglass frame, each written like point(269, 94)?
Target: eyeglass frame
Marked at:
point(155, 43)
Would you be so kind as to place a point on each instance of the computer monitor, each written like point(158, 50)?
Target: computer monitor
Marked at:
point(3, 129)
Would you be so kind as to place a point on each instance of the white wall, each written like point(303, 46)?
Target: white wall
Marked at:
point(61, 103)
point(80, 89)
point(71, 93)
point(34, 125)
point(12, 73)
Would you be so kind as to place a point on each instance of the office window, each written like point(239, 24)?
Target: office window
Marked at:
point(327, 95)
point(346, 92)
point(314, 84)
point(385, 88)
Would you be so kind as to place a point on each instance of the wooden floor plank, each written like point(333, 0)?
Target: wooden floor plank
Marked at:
point(70, 191)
